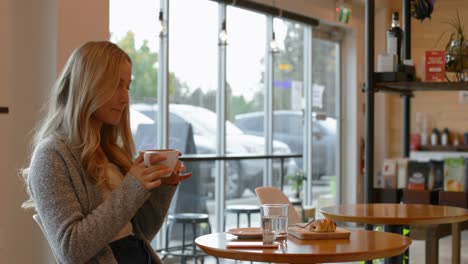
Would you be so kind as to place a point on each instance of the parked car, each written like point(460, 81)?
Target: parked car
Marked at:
point(241, 174)
point(288, 127)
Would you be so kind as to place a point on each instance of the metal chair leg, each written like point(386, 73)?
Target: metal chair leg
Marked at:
point(168, 228)
point(194, 247)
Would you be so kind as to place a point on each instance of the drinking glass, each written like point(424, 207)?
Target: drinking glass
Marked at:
point(274, 223)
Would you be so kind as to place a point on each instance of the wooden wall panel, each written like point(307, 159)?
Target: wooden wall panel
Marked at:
point(443, 108)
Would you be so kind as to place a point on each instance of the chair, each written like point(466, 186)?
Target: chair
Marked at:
point(273, 195)
point(37, 219)
point(195, 221)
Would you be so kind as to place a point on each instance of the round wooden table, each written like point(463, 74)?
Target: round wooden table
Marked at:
point(362, 245)
point(397, 215)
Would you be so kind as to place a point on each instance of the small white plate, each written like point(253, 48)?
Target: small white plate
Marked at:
point(246, 232)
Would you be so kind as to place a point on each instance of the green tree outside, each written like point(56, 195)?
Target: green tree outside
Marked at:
point(292, 55)
point(144, 69)
point(145, 81)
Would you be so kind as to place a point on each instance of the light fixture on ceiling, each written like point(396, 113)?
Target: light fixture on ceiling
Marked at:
point(274, 47)
point(223, 36)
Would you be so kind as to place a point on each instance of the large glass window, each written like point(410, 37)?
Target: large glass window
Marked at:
point(244, 94)
point(288, 77)
point(139, 38)
point(192, 100)
point(192, 91)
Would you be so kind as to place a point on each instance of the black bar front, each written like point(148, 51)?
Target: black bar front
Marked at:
point(369, 142)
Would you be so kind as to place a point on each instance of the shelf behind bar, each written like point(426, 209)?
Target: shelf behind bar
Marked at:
point(463, 148)
point(409, 87)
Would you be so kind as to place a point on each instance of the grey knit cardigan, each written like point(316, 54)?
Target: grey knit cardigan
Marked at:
point(77, 222)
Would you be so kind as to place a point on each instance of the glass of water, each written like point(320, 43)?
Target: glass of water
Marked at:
point(274, 223)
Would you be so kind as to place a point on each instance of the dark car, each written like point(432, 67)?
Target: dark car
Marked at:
point(193, 131)
point(288, 127)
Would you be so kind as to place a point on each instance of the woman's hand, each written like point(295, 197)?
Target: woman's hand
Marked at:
point(177, 175)
point(149, 177)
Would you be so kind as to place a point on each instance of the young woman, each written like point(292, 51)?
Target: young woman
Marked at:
point(96, 204)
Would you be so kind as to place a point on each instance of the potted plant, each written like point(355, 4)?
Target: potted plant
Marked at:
point(456, 50)
point(297, 179)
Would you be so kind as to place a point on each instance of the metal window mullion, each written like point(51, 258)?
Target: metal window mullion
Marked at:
point(162, 96)
point(307, 157)
point(163, 83)
point(268, 105)
point(221, 121)
point(338, 108)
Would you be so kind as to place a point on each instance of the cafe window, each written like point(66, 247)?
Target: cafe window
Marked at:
point(139, 39)
point(244, 94)
point(326, 114)
point(193, 86)
point(288, 87)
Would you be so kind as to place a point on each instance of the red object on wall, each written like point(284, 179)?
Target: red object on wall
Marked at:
point(435, 66)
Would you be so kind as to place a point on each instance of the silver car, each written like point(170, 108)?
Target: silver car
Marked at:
point(288, 127)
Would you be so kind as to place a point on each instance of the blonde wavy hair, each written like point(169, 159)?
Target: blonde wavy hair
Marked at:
point(88, 80)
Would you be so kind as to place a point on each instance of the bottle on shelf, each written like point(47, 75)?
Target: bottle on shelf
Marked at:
point(424, 126)
point(415, 137)
point(456, 142)
point(394, 38)
point(435, 137)
point(444, 138)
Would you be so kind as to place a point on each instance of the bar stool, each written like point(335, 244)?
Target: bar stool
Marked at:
point(241, 209)
point(194, 220)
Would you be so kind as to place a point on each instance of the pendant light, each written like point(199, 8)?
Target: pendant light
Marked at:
point(274, 47)
point(162, 27)
point(223, 36)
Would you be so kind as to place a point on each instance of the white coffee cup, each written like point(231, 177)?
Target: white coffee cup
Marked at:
point(171, 155)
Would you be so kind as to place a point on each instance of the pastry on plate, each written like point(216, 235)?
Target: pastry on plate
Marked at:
point(323, 225)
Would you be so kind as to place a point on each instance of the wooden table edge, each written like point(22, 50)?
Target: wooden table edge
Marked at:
point(394, 221)
point(266, 256)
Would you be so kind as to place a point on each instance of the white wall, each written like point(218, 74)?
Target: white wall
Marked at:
point(6, 80)
point(37, 37)
point(352, 78)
